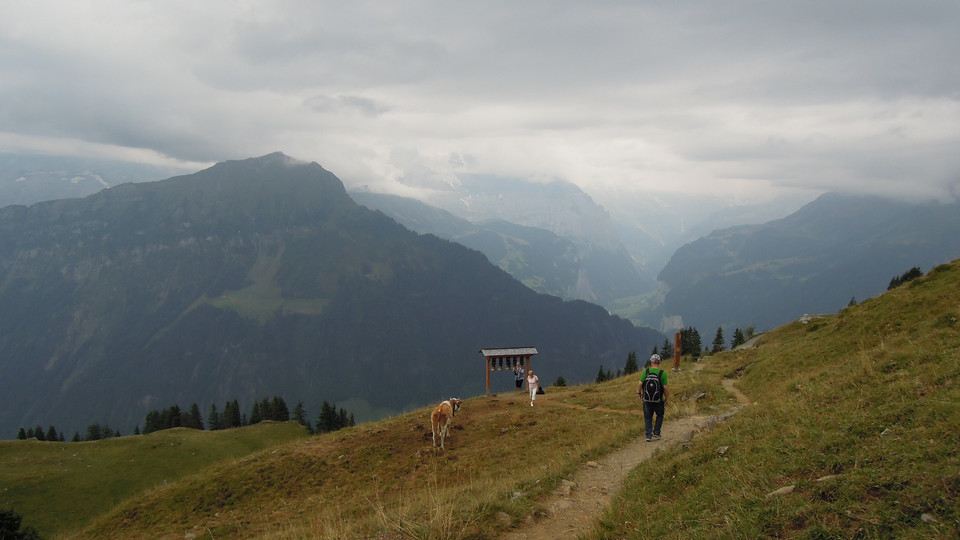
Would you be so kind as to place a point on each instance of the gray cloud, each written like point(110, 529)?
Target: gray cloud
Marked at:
point(713, 97)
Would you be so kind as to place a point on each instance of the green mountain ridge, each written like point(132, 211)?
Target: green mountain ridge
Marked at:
point(252, 278)
point(833, 249)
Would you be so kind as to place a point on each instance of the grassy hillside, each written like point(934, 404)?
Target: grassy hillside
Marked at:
point(381, 476)
point(57, 487)
point(856, 411)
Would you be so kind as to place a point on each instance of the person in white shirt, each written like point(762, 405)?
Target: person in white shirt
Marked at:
point(533, 383)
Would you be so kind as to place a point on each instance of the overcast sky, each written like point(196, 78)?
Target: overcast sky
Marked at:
point(738, 98)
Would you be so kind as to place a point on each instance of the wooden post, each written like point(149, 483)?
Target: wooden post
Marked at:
point(486, 367)
point(676, 351)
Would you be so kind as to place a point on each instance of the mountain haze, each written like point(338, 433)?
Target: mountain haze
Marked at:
point(544, 261)
point(652, 226)
point(834, 249)
point(604, 270)
point(28, 179)
point(257, 278)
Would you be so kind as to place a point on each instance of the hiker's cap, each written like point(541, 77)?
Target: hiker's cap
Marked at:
point(655, 359)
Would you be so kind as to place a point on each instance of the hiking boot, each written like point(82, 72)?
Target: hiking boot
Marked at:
point(648, 439)
point(655, 436)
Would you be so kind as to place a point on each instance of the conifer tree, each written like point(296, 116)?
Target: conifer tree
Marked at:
point(255, 415)
point(10, 527)
point(170, 417)
point(696, 344)
point(300, 416)
point(909, 275)
point(152, 422)
point(667, 350)
point(224, 416)
point(718, 342)
point(213, 418)
point(738, 339)
point(194, 420)
point(690, 342)
point(279, 409)
point(631, 365)
point(231, 415)
point(266, 410)
point(52, 434)
point(326, 422)
point(601, 375)
point(21, 434)
point(331, 419)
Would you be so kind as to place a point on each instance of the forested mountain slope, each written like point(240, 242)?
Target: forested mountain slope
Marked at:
point(255, 278)
point(834, 249)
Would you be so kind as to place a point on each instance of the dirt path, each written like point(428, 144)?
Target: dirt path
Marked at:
point(575, 506)
point(729, 386)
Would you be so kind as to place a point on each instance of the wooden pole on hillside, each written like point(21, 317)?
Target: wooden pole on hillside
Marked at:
point(676, 351)
point(488, 367)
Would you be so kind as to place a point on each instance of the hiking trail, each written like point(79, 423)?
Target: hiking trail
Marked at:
point(574, 507)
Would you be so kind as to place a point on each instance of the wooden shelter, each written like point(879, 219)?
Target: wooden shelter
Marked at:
point(506, 359)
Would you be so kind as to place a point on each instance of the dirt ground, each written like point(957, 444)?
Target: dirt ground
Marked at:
point(574, 508)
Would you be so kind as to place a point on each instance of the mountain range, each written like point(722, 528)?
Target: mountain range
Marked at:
point(816, 259)
point(257, 278)
point(552, 235)
point(597, 271)
point(835, 250)
point(31, 178)
point(671, 262)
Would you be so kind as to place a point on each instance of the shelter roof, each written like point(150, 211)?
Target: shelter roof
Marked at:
point(509, 351)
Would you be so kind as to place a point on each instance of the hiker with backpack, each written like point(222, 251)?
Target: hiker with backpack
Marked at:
point(653, 388)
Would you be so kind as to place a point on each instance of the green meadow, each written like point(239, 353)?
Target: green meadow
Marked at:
point(56, 486)
point(853, 433)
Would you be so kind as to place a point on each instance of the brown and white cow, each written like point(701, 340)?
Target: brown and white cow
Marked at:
point(441, 417)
